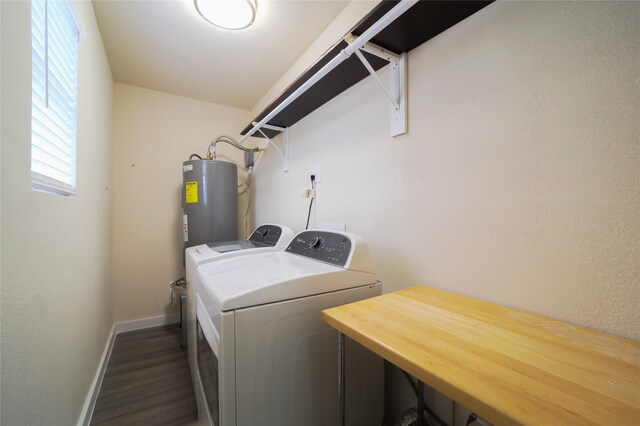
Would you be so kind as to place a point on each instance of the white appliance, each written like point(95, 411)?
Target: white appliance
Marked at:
point(266, 237)
point(264, 356)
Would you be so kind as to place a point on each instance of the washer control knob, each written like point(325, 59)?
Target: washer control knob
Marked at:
point(315, 242)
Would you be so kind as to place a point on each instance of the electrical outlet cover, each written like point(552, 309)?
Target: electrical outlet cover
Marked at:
point(317, 172)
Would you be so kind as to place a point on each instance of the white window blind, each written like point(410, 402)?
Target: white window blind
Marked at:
point(54, 52)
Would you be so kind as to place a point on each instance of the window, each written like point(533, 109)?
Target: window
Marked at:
point(54, 52)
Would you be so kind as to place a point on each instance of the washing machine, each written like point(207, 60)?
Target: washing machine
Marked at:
point(266, 237)
point(264, 356)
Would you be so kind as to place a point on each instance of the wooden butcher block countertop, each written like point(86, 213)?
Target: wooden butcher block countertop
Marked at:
point(508, 366)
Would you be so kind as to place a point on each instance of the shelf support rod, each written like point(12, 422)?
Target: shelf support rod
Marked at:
point(398, 93)
point(270, 141)
point(394, 101)
point(344, 54)
point(271, 127)
point(284, 152)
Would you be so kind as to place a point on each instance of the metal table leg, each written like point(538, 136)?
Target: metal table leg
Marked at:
point(421, 403)
point(341, 380)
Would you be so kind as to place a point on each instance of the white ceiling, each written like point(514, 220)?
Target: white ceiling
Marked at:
point(167, 46)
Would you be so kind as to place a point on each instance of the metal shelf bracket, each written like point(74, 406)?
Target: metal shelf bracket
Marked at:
point(398, 90)
point(284, 152)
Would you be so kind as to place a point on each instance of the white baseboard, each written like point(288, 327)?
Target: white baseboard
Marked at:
point(117, 328)
point(92, 396)
point(122, 327)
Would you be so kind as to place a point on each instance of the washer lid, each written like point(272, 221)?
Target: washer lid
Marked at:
point(226, 246)
point(266, 237)
point(263, 278)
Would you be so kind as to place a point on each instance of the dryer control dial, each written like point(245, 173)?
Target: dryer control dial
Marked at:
point(266, 235)
point(324, 246)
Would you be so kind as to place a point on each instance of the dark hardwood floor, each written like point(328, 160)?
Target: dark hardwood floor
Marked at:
point(147, 381)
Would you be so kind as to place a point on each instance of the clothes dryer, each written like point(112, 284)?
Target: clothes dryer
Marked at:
point(264, 355)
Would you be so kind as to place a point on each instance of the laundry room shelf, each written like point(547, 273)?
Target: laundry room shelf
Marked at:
point(423, 21)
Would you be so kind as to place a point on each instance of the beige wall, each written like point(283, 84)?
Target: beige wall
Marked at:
point(153, 133)
point(56, 294)
point(519, 179)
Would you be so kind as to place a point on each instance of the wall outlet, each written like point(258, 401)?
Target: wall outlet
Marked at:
point(317, 172)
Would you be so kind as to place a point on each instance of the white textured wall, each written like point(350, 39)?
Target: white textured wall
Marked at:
point(519, 179)
point(153, 133)
point(56, 294)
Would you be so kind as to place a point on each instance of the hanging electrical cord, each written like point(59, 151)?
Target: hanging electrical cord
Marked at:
point(246, 213)
point(309, 215)
point(246, 185)
point(313, 195)
point(246, 180)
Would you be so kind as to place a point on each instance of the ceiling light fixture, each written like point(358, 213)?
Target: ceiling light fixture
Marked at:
point(228, 14)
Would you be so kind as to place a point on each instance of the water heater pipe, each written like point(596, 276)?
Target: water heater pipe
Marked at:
point(211, 151)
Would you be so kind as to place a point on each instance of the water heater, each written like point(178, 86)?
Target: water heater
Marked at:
point(210, 202)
